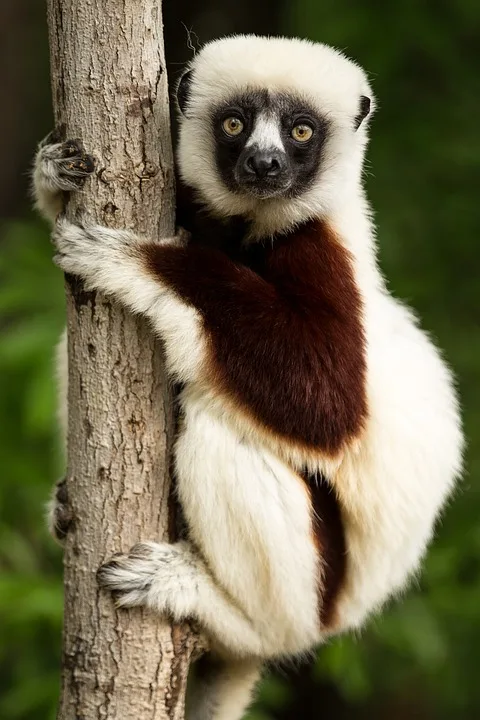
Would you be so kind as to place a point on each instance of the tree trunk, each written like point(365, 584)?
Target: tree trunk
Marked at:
point(110, 90)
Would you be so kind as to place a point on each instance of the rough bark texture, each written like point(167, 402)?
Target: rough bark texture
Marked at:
point(110, 89)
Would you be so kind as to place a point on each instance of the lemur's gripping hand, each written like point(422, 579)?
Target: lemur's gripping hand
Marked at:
point(92, 252)
point(59, 167)
point(99, 255)
point(64, 166)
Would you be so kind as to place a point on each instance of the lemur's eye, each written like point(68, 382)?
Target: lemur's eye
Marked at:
point(232, 126)
point(302, 133)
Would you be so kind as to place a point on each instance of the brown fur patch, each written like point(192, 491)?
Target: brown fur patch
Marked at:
point(286, 341)
point(329, 538)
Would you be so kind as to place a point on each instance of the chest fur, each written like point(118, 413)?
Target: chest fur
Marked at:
point(293, 353)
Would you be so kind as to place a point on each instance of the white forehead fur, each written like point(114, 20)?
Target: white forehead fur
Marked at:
point(316, 73)
point(266, 133)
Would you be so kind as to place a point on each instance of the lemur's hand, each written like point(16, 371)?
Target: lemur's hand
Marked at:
point(102, 256)
point(90, 251)
point(63, 165)
point(59, 167)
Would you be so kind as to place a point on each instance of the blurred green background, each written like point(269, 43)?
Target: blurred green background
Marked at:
point(421, 658)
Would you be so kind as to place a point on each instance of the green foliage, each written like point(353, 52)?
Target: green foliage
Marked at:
point(30, 587)
point(422, 181)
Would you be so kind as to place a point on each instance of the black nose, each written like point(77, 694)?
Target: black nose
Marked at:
point(264, 163)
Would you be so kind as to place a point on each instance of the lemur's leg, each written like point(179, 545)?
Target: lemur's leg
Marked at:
point(221, 689)
point(59, 167)
point(59, 513)
point(173, 580)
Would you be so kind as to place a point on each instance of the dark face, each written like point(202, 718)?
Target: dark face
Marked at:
point(268, 144)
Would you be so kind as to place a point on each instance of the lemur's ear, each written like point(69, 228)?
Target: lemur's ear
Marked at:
point(363, 112)
point(183, 90)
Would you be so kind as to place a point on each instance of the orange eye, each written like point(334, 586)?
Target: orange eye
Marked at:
point(232, 126)
point(302, 133)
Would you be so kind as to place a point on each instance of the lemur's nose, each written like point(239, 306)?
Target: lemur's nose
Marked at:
point(264, 163)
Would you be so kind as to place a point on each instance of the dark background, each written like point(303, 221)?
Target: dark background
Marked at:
point(420, 659)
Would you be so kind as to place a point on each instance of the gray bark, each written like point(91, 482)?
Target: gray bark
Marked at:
point(110, 89)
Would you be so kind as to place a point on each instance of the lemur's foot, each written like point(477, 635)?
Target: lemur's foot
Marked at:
point(60, 516)
point(147, 575)
point(63, 165)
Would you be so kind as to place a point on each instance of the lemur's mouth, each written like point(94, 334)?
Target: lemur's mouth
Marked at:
point(264, 190)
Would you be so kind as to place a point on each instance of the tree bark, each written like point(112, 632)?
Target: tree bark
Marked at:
point(110, 89)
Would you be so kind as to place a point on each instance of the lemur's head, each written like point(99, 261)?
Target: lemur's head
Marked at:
point(273, 129)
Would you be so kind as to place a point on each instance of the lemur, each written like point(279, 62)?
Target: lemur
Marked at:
point(320, 433)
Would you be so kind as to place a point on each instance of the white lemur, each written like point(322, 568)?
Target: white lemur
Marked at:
point(320, 434)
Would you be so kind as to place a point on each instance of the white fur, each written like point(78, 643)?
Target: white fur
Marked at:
point(266, 133)
point(393, 486)
point(250, 572)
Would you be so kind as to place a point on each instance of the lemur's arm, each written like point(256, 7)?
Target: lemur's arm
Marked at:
point(114, 262)
point(173, 285)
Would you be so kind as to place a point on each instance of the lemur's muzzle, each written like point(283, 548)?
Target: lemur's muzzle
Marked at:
point(263, 172)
